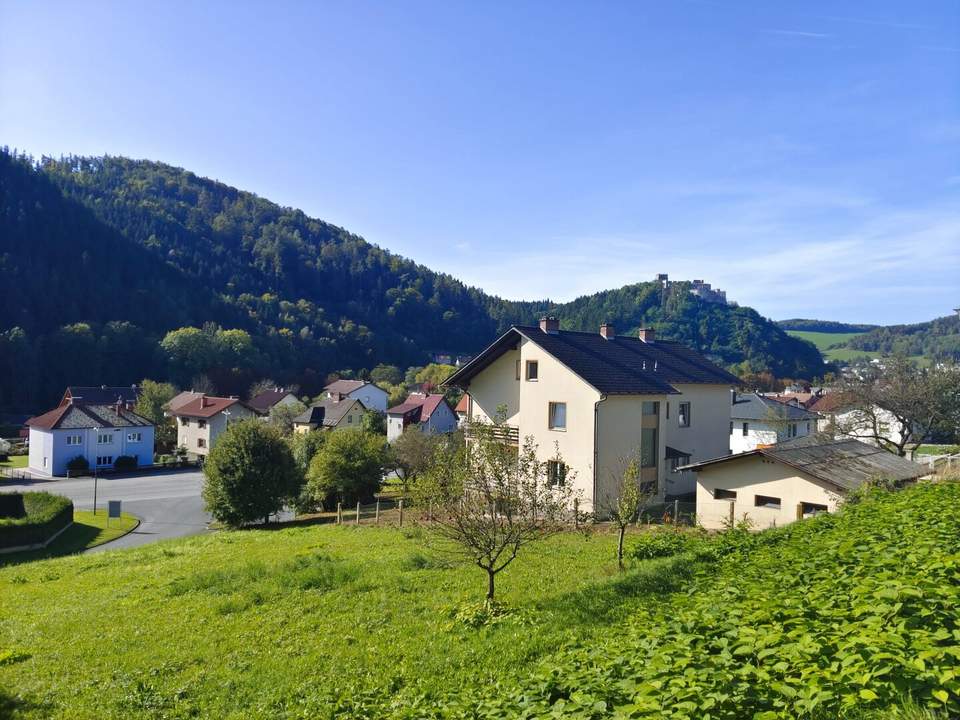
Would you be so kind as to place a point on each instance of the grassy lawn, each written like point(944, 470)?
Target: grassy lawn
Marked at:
point(88, 530)
point(17, 462)
point(247, 624)
point(831, 345)
point(938, 449)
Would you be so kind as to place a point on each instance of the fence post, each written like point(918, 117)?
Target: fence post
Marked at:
point(732, 516)
point(339, 513)
point(430, 512)
point(676, 512)
point(358, 512)
point(576, 512)
point(377, 516)
point(401, 512)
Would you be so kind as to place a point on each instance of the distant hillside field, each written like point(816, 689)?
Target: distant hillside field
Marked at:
point(833, 345)
point(853, 611)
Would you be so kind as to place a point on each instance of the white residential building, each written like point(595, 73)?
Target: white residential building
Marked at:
point(99, 433)
point(602, 399)
point(201, 420)
point(756, 420)
point(429, 413)
point(372, 396)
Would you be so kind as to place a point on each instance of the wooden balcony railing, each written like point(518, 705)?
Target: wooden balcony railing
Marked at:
point(509, 434)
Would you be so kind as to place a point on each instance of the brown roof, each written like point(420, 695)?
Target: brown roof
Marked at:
point(206, 406)
point(464, 405)
point(345, 387)
point(327, 412)
point(181, 399)
point(80, 416)
point(267, 399)
point(419, 406)
point(831, 402)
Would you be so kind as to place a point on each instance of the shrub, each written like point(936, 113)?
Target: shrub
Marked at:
point(348, 468)
point(125, 462)
point(43, 516)
point(250, 474)
point(78, 465)
point(662, 542)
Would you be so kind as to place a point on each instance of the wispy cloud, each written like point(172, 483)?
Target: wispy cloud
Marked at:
point(880, 23)
point(797, 33)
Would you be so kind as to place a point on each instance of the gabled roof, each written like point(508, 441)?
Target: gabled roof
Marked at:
point(463, 406)
point(831, 402)
point(617, 366)
point(327, 412)
point(262, 402)
point(751, 406)
point(206, 406)
point(345, 387)
point(418, 407)
point(181, 399)
point(102, 395)
point(846, 464)
point(82, 416)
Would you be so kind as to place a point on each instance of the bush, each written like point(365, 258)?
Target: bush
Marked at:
point(348, 468)
point(125, 462)
point(663, 542)
point(78, 465)
point(250, 474)
point(43, 516)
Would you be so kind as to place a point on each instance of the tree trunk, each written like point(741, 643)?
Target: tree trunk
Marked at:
point(623, 531)
point(490, 576)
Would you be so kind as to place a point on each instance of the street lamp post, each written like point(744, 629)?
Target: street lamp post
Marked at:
point(96, 465)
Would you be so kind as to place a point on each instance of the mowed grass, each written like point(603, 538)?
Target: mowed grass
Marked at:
point(831, 345)
point(88, 530)
point(282, 623)
point(16, 462)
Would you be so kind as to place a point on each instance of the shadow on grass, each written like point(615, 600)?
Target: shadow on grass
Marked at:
point(606, 601)
point(11, 706)
point(74, 539)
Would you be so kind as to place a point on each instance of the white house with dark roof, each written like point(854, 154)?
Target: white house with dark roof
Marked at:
point(330, 414)
point(777, 484)
point(757, 420)
point(200, 421)
point(601, 399)
point(100, 433)
point(427, 412)
point(372, 396)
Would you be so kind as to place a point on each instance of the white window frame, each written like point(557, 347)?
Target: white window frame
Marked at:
point(532, 364)
point(684, 419)
point(134, 437)
point(551, 406)
point(105, 438)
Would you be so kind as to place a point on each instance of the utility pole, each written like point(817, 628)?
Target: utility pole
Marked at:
point(96, 465)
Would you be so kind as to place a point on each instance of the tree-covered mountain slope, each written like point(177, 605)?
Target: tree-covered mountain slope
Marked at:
point(135, 249)
point(937, 339)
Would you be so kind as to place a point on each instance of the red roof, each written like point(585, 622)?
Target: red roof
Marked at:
point(464, 405)
point(49, 420)
point(830, 402)
point(425, 404)
point(205, 406)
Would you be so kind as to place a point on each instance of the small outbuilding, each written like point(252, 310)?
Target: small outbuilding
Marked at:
point(777, 484)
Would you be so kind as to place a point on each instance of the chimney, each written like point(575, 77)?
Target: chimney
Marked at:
point(550, 325)
point(733, 396)
point(607, 331)
point(646, 334)
point(203, 401)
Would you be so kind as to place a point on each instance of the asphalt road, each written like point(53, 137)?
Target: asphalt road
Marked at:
point(168, 503)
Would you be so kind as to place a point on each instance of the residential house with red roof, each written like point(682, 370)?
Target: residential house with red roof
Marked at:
point(201, 420)
point(101, 433)
point(429, 413)
point(372, 396)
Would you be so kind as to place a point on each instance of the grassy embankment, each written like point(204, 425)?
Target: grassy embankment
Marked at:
point(831, 617)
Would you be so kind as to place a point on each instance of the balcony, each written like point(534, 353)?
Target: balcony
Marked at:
point(508, 434)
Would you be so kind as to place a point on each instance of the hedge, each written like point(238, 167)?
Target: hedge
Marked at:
point(46, 515)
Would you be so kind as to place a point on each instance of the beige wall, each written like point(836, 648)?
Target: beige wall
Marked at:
point(351, 419)
point(187, 435)
point(755, 475)
point(620, 420)
point(497, 385)
point(709, 432)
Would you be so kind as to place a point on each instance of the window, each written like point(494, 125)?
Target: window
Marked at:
point(651, 408)
point(680, 461)
point(349, 419)
point(201, 442)
point(812, 508)
point(104, 460)
point(518, 369)
point(767, 502)
point(731, 427)
point(648, 447)
point(668, 409)
point(201, 424)
point(808, 427)
point(74, 439)
point(134, 437)
point(792, 430)
point(557, 416)
point(556, 472)
point(533, 368)
point(746, 429)
point(683, 414)
point(721, 494)
point(105, 439)
point(185, 421)
point(44, 460)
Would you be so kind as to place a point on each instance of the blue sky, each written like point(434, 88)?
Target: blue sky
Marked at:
point(803, 156)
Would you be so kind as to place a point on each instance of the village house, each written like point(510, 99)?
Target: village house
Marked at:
point(372, 396)
point(601, 400)
point(330, 414)
point(777, 484)
point(462, 410)
point(201, 420)
point(757, 420)
point(841, 417)
point(99, 433)
point(265, 401)
point(427, 412)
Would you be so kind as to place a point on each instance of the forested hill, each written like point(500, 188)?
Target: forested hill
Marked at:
point(938, 339)
point(824, 326)
point(102, 260)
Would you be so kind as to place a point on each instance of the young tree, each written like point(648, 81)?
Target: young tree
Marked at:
point(412, 455)
point(632, 499)
point(250, 474)
point(282, 415)
point(348, 467)
point(898, 404)
point(153, 396)
point(305, 446)
point(375, 422)
point(386, 375)
point(494, 500)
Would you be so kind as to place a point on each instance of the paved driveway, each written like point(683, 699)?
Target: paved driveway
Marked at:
point(168, 503)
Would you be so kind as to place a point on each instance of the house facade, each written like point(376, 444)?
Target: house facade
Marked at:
point(99, 433)
point(792, 480)
point(600, 400)
point(757, 420)
point(372, 396)
point(840, 417)
point(330, 414)
point(428, 412)
point(201, 420)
